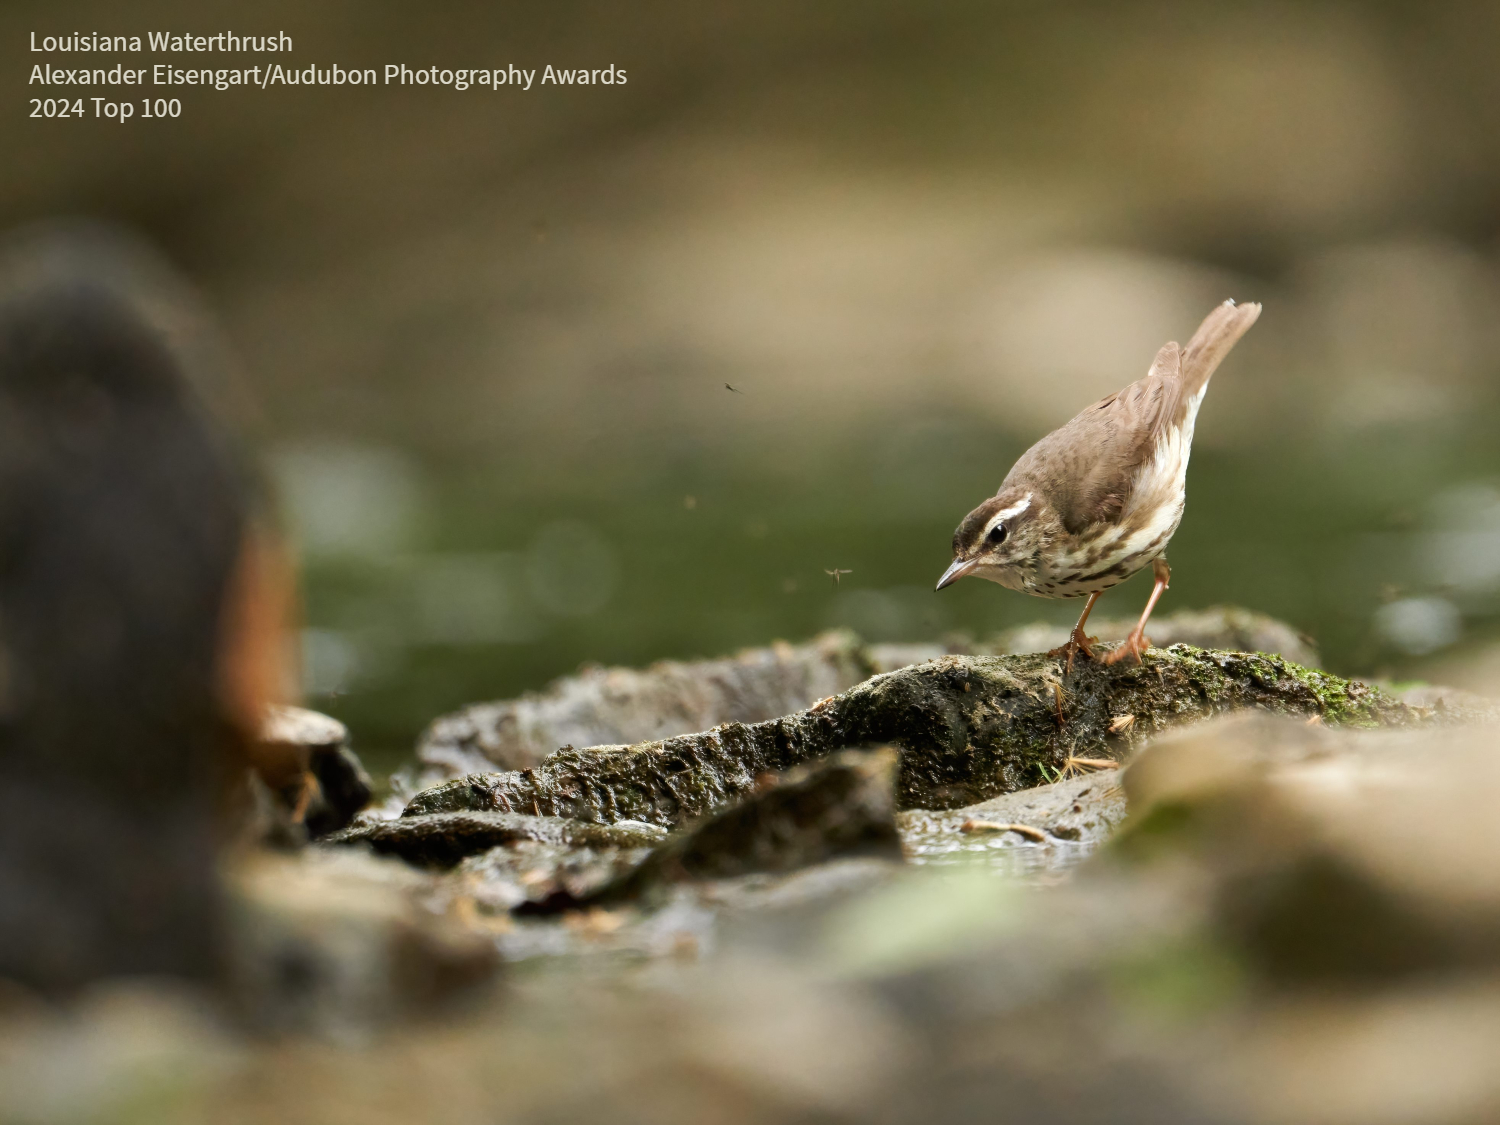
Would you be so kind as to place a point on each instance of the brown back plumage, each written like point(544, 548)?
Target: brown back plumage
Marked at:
point(1087, 468)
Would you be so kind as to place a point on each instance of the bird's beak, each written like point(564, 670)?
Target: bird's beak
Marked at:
point(959, 568)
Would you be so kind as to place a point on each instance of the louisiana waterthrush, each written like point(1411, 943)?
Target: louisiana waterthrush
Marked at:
point(1095, 501)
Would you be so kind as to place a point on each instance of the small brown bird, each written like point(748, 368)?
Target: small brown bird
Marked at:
point(1095, 501)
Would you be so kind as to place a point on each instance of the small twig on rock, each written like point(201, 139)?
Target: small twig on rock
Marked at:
point(991, 826)
point(1121, 722)
point(1073, 765)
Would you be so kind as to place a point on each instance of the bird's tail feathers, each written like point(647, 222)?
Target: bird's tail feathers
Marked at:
point(1219, 332)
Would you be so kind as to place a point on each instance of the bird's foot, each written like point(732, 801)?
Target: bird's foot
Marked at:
point(1077, 643)
point(1134, 645)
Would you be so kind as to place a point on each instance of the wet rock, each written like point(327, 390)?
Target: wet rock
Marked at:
point(534, 871)
point(1077, 813)
point(841, 807)
point(1229, 628)
point(443, 839)
point(968, 728)
point(623, 706)
point(603, 706)
point(303, 729)
point(304, 758)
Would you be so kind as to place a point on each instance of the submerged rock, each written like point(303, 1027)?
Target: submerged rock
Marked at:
point(968, 729)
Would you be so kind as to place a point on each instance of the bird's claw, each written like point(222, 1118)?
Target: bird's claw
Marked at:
point(1076, 643)
point(1134, 645)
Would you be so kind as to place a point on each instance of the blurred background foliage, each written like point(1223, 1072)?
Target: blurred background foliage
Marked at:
point(487, 333)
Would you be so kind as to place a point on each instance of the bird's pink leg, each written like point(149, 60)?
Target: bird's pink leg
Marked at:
point(1077, 642)
point(1138, 642)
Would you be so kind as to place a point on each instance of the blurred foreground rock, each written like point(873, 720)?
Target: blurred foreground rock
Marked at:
point(342, 944)
point(1343, 860)
point(1296, 924)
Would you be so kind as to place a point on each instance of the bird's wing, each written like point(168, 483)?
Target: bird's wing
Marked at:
point(1089, 466)
point(1108, 442)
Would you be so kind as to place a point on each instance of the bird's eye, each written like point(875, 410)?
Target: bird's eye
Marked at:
point(996, 536)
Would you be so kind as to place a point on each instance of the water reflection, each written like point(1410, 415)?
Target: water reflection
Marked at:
point(1019, 860)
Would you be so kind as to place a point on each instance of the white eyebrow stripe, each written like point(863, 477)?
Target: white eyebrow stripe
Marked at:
point(1007, 513)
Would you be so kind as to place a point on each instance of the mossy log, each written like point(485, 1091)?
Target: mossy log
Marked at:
point(968, 728)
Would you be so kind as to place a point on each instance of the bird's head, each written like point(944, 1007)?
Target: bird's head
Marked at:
point(999, 540)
